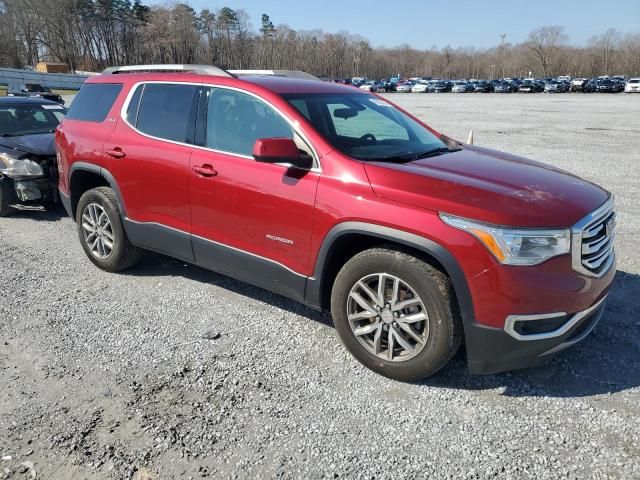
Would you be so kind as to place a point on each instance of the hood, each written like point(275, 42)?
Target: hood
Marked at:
point(489, 186)
point(41, 144)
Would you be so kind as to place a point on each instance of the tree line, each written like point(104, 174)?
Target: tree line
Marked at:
point(90, 35)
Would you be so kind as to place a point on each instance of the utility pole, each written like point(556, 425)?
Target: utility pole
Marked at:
point(502, 37)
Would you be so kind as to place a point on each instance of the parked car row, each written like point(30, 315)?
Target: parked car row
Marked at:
point(562, 84)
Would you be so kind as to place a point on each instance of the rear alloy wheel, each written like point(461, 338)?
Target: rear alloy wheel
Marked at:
point(101, 231)
point(396, 313)
point(97, 231)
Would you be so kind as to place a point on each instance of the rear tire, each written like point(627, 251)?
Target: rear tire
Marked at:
point(101, 231)
point(5, 209)
point(422, 293)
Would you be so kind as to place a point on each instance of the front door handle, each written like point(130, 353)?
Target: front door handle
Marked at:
point(115, 152)
point(205, 170)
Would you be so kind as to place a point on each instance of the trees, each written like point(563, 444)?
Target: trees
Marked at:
point(547, 45)
point(94, 34)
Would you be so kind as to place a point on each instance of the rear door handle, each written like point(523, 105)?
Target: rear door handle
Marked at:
point(205, 170)
point(115, 152)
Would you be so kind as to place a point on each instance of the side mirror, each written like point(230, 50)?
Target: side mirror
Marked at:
point(280, 150)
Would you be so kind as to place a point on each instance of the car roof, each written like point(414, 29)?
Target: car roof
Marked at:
point(273, 83)
point(4, 101)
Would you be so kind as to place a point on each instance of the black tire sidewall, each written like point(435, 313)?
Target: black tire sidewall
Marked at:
point(5, 209)
point(441, 344)
point(104, 197)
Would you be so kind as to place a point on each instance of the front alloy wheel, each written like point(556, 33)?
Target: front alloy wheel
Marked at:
point(396, 313)
point(388, 317)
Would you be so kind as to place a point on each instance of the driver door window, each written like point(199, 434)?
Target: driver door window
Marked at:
point(236, 120)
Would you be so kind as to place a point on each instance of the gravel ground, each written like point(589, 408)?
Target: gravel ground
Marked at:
point(169, 371)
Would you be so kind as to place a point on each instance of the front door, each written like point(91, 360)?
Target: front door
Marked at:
point(250, 220)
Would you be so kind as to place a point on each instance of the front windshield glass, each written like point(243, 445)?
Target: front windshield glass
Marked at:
point(18, 120)
point(34, 87)
point(366, 127)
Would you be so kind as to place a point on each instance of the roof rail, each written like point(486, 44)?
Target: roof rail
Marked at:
point(199, 69)
point(276, 73)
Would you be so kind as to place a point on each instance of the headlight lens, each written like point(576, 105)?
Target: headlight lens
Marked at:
point(513, 246)
point(15, 167)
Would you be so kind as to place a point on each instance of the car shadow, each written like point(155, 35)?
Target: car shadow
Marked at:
point(40, 214)
point(607, 361)
point(153, 264)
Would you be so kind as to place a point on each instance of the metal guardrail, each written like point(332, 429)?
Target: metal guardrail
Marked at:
point(67, 81)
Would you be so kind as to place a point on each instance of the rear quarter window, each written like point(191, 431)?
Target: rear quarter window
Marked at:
point(93, 102)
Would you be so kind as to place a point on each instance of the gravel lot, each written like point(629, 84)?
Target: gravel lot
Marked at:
point(169, 371)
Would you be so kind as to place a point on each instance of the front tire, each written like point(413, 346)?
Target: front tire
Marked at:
point(395, 313)
point(5, 209)
point(101, 231)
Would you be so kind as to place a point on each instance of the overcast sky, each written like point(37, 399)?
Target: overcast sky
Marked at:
point(425, 23)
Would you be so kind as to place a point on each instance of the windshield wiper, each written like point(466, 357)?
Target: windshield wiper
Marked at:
point(435, 152)
point(10, 134)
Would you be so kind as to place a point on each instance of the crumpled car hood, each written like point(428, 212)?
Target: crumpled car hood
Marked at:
point(41, 144)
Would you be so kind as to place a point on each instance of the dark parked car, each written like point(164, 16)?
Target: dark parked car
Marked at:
point(530, 86)
point(554, 86)
point(504, 87)
point(441, 87)
point(482, 86)
point(608, 85)
point(33, 90)
point(590, 86)
point(28, 170)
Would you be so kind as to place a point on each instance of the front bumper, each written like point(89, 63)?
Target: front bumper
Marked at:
point(493, 350)
point(29, 190)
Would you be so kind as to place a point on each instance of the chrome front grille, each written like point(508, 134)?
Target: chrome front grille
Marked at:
point(593, 240)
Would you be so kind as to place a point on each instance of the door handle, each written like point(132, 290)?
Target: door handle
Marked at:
point(115, 152)
point(205, 170)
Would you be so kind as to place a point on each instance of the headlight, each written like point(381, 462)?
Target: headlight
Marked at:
point(15, 167)
point(515, 246)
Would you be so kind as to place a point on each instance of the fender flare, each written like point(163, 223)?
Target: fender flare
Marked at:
point(438, 252)
point(104, 173)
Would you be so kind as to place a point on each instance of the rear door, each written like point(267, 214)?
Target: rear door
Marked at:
point(148, 155)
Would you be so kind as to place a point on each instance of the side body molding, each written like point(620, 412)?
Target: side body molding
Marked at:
point(313, 293)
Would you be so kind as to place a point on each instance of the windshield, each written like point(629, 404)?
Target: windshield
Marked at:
point(18, 120)
point(34, 87)
point(366, 127)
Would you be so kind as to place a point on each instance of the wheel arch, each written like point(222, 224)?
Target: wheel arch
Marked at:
point(85, 176)
point(349, 238)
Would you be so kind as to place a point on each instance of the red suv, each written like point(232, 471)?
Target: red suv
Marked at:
point(339, 199)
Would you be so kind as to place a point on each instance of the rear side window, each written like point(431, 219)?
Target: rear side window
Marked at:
point(167, 111)
point(93, 102)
